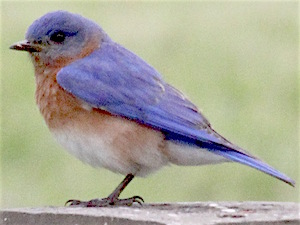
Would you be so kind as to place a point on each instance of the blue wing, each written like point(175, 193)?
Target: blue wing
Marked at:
point(116, 80)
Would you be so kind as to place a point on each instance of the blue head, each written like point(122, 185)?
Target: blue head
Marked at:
point(60, 37)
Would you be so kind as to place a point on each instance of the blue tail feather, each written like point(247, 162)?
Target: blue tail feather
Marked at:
point(255, 163)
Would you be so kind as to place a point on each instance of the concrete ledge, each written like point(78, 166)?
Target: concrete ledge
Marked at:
point(208, 213)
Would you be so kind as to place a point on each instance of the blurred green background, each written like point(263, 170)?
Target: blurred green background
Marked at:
point(237, 61)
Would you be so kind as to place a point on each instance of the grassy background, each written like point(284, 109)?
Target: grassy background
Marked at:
point(237, 61)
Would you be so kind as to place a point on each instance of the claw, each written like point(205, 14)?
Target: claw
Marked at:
point(73, 202)
point(138, 200)
point(112, 199)
point(106, 202)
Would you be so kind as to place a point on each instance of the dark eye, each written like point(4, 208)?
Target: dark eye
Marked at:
point(58, 37)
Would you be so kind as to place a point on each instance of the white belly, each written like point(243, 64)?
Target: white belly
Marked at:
point(121, 152)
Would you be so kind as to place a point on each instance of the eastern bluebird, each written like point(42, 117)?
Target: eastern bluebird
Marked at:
point(111, 109)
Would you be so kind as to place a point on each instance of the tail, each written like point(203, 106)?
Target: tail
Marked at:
point(212, 141)
point(248, 160)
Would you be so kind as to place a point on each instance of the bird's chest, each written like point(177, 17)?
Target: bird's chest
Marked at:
point(77, 127)
point(95, 136)
point(57, 106)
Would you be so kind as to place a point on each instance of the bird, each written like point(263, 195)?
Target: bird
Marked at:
point(109, 108)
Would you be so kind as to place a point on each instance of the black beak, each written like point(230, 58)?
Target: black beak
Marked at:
point(26, 46)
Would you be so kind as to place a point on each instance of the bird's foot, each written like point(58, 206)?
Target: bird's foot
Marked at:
point(106, 202)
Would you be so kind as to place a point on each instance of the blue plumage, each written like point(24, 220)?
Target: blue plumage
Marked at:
point(116, 80)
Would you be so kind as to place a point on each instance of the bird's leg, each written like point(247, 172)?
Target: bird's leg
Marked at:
point(112, 199)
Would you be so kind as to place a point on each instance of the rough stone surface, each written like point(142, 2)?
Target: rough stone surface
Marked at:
point(206, 213)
